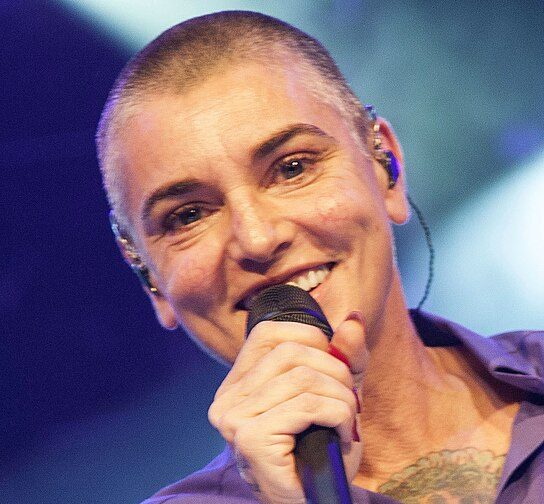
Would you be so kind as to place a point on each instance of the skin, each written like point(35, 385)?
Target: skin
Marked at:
point(248, 221)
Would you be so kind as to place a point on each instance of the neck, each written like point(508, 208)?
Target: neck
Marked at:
point(417, 400)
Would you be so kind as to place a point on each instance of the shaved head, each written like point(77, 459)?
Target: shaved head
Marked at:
point(186, 55)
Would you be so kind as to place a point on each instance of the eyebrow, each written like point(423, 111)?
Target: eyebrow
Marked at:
point(264, 149)
point(283, 136)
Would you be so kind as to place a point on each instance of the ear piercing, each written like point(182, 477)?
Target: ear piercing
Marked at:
point(131, 256)
point(385, 157)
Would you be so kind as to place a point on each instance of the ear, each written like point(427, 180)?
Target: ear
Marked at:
point(163, 310)
point(395, 199)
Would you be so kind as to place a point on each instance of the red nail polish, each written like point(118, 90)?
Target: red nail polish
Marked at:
point(335, 352)
point(356, 394)
point(354, 432)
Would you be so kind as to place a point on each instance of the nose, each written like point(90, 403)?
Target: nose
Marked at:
point(259, 229)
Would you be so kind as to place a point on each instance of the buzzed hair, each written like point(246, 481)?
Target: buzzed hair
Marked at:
point(184, 56)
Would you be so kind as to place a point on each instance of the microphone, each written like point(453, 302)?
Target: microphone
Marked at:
point(317, 450)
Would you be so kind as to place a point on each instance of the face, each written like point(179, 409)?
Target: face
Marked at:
point(249, 181)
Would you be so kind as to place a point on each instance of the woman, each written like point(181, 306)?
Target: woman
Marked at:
point(235, 157)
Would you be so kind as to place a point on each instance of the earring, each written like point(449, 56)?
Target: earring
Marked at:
point(385, 157)
point(391, 166)
point(131, 256)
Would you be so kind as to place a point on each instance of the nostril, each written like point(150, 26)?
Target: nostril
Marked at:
point(281, 247)
point(255, 266)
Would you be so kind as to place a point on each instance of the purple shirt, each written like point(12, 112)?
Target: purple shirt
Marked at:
point(516, 358)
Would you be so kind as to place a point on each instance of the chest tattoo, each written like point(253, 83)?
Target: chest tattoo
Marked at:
point(467, 476)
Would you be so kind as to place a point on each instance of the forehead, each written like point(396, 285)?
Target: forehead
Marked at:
point(242, 96)
point(216, 124)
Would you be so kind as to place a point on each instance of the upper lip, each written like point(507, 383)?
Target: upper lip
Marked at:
point(275, 280)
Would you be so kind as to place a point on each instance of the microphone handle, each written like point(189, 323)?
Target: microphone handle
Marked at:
point(320, 466)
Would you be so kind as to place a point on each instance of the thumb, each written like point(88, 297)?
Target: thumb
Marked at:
point(349, 344)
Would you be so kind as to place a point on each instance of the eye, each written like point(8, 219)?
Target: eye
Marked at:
point(291, 169)
point(183, 217)
point(294, 170)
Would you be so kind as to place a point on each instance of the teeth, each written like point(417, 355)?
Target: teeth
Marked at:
point(306, 281)
point(310, 279)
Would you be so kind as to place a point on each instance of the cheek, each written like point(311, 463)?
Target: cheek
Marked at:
point(335, 209)
point(342, 204)
point(327, 208)
point(193, 274)
point(342, 211)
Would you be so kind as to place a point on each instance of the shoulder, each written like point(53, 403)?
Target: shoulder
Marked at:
point(525, 350)
point(527, 344)
point(217, 483)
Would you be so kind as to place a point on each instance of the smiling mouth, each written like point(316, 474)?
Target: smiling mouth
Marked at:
point(307, 280)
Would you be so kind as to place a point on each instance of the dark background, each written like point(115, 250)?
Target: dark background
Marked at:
point(100, 405)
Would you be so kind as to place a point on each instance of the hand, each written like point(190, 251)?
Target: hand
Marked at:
point(283, 381)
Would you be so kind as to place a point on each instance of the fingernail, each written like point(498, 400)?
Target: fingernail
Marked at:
point(336, 352)
point(356, 315)
point(354, 432)
point(356, 394)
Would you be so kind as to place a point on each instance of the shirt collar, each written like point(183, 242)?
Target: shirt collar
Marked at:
point(509, 357)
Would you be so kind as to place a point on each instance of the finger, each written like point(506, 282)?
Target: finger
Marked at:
point(280, 389)
point(349, 340)
point(266, 443)
point(284, 357)
point(264, 337)
point(290, 418)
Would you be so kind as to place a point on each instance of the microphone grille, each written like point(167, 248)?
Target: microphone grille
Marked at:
point(287, 303)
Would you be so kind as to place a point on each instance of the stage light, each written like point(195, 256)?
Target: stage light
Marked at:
point(490, 256)
point(134, 23)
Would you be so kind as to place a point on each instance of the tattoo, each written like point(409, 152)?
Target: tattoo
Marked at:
point(467, 476)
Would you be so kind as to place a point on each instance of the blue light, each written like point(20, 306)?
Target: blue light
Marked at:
point(490, 256)
point(134, 23)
